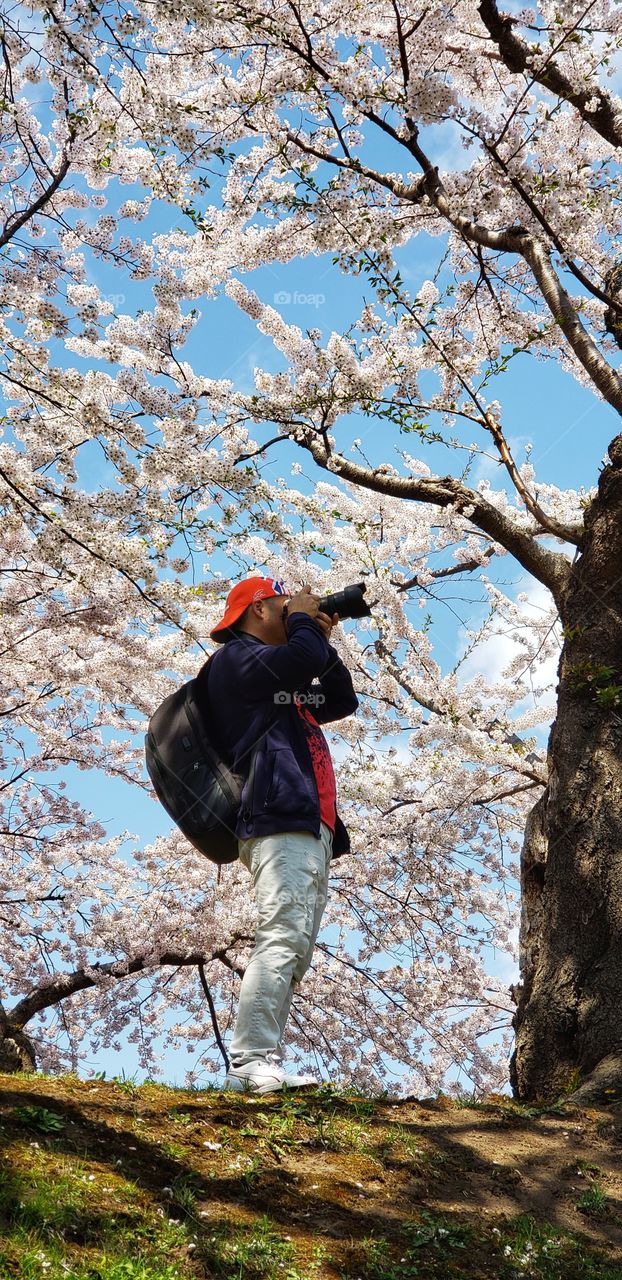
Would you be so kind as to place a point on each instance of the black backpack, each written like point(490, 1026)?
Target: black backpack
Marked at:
point(197, 788)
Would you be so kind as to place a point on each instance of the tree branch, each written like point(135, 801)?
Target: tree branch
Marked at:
point(521, 57)
point(521, 242)
point(434, 708)
point(212, 1012)
point(613, 303)
point(514, 791)
point(91, 551)
point(565, 315)
point(549, 567)
point(14, 224)
point(514, 239)
point(69, 984)
point(465, 566)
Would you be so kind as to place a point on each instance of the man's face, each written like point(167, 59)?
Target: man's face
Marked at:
point(273, 626)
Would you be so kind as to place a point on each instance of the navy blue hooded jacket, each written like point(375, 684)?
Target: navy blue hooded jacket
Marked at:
point(249, 702)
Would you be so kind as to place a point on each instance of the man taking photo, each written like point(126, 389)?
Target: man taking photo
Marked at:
point(276, 679)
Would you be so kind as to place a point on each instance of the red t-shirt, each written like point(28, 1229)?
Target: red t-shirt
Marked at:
point(322, 766)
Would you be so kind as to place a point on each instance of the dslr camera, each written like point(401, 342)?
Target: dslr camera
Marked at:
point(348, 603)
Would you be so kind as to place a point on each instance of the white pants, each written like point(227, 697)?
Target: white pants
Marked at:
point(290, 873)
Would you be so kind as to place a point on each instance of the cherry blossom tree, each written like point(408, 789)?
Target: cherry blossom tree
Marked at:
point(274, 134)
point(101, 937)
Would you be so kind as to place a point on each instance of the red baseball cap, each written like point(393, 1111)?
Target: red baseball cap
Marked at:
point(239, 598)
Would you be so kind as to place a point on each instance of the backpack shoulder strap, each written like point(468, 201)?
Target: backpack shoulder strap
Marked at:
point(203, 675)
point(204, 670)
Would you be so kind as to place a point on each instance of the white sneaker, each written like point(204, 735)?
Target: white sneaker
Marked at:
point(291, 1080)
point(258, 1076)
point(261, 1076)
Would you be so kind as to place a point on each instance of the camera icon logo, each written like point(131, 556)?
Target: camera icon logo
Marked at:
point(282, 697)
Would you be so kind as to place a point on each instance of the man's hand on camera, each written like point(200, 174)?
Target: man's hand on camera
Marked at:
point(327, 623)
point(307, 602)
point(304, 602)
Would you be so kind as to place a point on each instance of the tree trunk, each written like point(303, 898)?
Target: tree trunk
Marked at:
point(568, 1019)
point(16, 1052)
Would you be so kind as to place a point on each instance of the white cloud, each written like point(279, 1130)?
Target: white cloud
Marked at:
point(446, 143)
point(502, 645)
point(490, 467)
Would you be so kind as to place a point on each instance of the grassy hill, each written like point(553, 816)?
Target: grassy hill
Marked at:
point(105, 1180)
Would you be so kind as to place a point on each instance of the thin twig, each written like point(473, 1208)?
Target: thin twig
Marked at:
point(212, 1010)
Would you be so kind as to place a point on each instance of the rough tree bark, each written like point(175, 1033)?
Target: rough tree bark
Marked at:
point(568, 1020)
point(17, 1051)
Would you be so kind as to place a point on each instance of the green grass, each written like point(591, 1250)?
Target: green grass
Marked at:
point(250, 1252)
point(39, 1262)
point(593, 1202)
point(47, 1219)
point(510, 1110)
point(257, 1253)
point(180, 1117)
point(435, 1247)
point(39, 1118)
point(174, 1150)
point(537, 1248)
